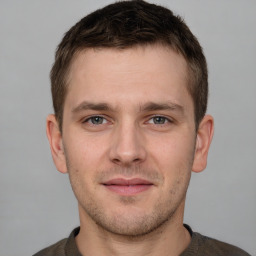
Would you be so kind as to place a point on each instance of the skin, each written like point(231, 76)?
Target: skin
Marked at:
point(128, 114)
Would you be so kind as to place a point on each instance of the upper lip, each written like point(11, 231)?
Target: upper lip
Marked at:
point(127, 182)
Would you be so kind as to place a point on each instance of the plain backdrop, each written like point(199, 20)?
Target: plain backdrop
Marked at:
point(37, 206)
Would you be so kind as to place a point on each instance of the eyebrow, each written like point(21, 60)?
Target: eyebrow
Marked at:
point(148, 107)
point(152, 106)
point(91, 106)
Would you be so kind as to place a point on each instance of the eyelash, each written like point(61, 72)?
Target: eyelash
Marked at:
point(104, 120)
point(89, 120)
point(166, 120)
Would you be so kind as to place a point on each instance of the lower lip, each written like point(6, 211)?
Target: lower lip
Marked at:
point(128, 190)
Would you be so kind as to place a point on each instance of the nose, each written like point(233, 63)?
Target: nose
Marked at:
point(127, 146)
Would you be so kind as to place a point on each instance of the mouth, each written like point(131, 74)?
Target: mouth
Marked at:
point(128, 187)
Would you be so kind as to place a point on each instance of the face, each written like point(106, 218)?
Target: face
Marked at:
point(129, 141)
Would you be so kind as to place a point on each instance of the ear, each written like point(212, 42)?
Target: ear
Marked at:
point(203, 141)
point(55, 140)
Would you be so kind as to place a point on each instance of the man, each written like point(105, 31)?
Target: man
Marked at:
point(129, 88)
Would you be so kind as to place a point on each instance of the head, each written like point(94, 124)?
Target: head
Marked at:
point(129, 87)
point(124, 25)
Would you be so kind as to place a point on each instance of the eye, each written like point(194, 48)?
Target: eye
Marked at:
point(159, 120)
point(96, 120)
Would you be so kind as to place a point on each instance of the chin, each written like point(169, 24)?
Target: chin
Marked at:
point(130, 223)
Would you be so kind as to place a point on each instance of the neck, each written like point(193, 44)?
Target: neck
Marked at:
point(171, 239)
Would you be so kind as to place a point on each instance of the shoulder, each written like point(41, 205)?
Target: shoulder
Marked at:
point(209, 246)
point(53, 250)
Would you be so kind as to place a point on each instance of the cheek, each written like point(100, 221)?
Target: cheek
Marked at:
point(172, 151)
point(84, 158)
point(85, 150)
point(174, 159)
point(80, 170)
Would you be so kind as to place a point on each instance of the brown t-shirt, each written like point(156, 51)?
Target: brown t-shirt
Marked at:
point(199, 245)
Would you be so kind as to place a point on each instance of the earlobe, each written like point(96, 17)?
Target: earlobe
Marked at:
point(56, 145)
point(203, 141)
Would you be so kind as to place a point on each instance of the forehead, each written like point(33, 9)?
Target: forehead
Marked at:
point(141, 73)
point(143, 58)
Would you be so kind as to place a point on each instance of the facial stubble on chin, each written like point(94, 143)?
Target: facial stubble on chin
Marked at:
point(131, 226)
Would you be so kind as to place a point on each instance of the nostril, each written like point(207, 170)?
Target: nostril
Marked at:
point(126, 150)
point(116, 160)
point(126, 161)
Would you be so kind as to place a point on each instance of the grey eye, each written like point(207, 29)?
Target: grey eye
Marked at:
point(159, 120)
point(97, 120)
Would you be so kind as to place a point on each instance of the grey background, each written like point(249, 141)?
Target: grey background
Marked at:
point(37, 206)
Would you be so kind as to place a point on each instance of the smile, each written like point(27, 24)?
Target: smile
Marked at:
point(127, 187)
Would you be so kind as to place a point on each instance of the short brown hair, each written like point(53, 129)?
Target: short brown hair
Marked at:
point(124, 25)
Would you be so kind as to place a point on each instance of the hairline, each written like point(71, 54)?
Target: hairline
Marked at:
point(190, 74)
